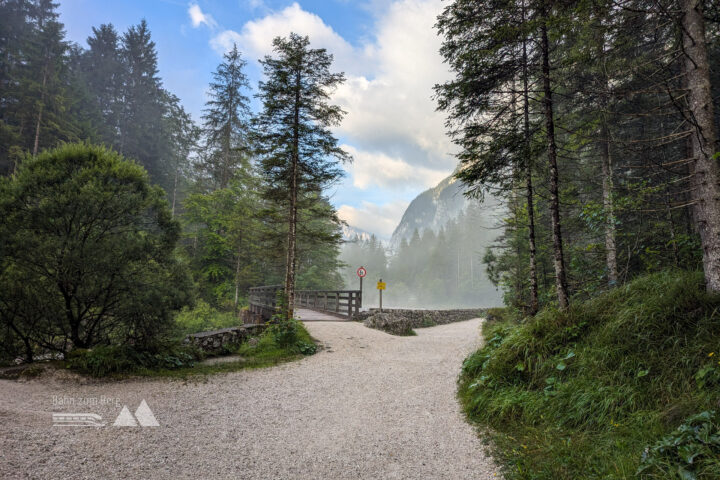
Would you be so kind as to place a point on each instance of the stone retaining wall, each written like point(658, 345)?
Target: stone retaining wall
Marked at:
point(217, 341)
point(403, 321)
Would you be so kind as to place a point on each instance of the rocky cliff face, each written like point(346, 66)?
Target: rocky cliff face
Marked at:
point(435, 207)
point(350, 233)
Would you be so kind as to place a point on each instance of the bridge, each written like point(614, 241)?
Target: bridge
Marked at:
point(310, 305)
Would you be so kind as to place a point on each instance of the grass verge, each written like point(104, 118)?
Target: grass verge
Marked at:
point(607, 389)
point(269, 349)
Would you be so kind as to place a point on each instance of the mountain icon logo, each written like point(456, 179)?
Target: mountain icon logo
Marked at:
point(143, 417)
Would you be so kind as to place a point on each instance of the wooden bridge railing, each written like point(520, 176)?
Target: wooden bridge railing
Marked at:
point(346, 303)
point(263, 300)
point(339, 302)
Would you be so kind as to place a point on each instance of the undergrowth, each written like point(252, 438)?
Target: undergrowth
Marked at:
point(108, 360)
point(203, 318)
point(583, 393)
point(278, 344)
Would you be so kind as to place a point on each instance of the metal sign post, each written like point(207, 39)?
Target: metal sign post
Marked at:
point(381, 286)
point(361, 272)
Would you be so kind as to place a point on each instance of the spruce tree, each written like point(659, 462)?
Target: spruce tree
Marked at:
point(226, 120)
point(141, 118)
point(104, 74)
point(491, 48)
point(703, 140)
point(299, 153)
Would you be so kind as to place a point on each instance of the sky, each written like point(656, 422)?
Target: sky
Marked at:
point(388, 50)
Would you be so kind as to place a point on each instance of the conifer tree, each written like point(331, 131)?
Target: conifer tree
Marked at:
point(226, 119)
point(103, 73)
point(490, 47)
point(141, 117)
point(299, 153)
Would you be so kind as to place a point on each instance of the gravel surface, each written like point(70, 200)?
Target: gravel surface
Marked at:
point(368, 405)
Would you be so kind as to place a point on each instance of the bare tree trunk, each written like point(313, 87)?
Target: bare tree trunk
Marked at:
point(703, 139)
point(534, 304)
point(292, 217)
point(237, 283)
point(608, 206)
point(607, 175)
point(518, 274)
point(673, 239)
point(36, 143)
point(174, 194)
point(559, 261)
point(603, 84)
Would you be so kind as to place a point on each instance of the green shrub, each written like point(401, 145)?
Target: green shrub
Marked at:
point(427, 321)
point(690, 452)
point(497, 314)
point(284, 332)
point(307, 348)
point(33, 370)
point(709, 375)
point(107, 360)
point(203, 318)
point(281, 339)
point(82, 216)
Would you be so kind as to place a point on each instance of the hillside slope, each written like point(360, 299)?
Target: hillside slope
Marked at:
point(623, 385)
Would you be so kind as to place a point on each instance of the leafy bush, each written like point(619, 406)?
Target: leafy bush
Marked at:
point(690, 452)
point(307, 348)
point(284, 332)
point(592, 386)
point(709, 375)
point(107, 360)
point(204, 318)
point(497, 314)
point(88, 251)
point(281, 339)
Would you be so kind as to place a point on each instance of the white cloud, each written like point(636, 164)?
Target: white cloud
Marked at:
point(392, 105)
point(256, 37)
point(379, 219)
point(384, 171)
point(390, 77)
point(397, 137)
point(254, 4)
point(197, 17)
point(223, 42)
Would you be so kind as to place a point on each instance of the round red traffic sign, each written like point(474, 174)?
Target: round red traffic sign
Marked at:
point(361, 272)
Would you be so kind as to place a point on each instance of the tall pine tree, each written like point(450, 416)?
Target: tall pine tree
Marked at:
point(226, 120)
point(299, 153)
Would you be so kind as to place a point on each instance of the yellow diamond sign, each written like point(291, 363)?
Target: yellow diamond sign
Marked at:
point(381, 286)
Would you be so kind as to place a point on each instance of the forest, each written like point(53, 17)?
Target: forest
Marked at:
point(586, 118)
point(215, 194)
point(127, 224)
point(430, 270)
point(598, 123)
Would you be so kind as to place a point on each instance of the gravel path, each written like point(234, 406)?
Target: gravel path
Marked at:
point(369, 406)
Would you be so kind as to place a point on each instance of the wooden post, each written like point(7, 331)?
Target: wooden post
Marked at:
point(381, 298)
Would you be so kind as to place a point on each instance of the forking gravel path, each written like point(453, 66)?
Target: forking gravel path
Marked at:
point(367, 406)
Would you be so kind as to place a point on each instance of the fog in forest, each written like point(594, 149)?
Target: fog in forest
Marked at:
point(431, 269)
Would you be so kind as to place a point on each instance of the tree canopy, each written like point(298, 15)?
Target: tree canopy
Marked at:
point(87, 251)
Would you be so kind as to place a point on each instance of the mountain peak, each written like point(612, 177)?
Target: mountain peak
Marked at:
point(435, 207)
